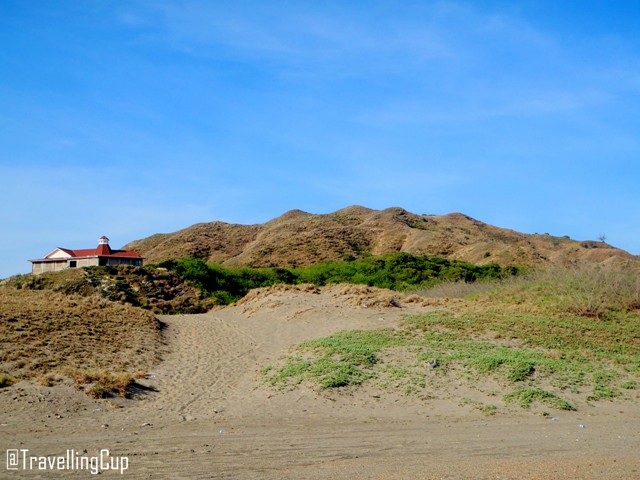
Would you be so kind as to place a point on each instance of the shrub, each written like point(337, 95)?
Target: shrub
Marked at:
point(101, 383)
point(398, 271)
point(6, 380)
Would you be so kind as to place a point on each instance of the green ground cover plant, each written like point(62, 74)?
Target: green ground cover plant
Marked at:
point(526, 396)
point(539, 348)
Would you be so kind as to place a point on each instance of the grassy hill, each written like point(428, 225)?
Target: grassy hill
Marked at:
point(298, 238)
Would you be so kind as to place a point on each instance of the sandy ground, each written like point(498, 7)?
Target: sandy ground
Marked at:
point(212, 418)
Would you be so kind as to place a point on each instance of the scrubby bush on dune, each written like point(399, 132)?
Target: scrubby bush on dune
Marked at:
point(6, 380)
point(401, 271)
point(398, 271)
point(224, 284)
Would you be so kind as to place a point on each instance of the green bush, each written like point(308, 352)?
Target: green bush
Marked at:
point(401, 271)
point(398, 271)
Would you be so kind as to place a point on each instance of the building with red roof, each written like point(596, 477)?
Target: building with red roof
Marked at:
point(62, 258)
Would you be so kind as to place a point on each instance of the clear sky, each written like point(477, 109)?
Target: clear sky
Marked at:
point(130, 118)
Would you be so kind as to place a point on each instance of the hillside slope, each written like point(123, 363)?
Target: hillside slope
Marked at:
point(300, 238)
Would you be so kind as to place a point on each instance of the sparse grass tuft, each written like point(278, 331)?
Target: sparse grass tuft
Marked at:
point(526, 396)
point(460, 289)
point(101, 383)
point(487, 409)
point(629, 385)
point(6, 380)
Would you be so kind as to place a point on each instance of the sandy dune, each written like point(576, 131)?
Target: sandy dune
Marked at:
point(212, 418)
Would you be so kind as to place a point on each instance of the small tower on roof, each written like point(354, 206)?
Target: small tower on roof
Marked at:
point(103, 246)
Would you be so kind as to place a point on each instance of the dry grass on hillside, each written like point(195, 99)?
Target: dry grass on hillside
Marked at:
point(154, 289)
point(100, 344)
point(301, 239)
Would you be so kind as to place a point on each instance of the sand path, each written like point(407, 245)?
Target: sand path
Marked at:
point(212, 418)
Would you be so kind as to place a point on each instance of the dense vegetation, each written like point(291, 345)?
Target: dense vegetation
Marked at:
point(398, 271)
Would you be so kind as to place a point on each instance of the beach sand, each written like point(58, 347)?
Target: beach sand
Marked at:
point(210, 415)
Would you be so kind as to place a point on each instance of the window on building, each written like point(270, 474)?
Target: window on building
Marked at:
point(73, 263)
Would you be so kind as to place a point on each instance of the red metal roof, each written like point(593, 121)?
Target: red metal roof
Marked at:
point(103, 250)
point(124, 253)
point(87, 252)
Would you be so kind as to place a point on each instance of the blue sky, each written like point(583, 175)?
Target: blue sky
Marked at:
point(131, 118)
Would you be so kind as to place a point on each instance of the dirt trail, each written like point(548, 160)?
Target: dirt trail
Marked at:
point(215, 359)
point(211, 417)
point(207, 359)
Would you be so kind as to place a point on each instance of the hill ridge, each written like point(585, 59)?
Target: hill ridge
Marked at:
point(302, 238)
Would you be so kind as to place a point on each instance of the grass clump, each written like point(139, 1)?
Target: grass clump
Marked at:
point(526, 396)
point(101, 383)
point(570, 336)
point(6, 380)
point(629, 385)
point(487, 409)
